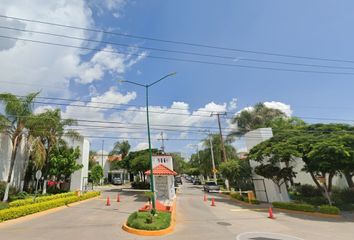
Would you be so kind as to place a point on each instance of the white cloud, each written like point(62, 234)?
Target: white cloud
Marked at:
point(141, 146)
point(35, 66)
point(232, 104)
point(285, 108)
point(112, 96)
point(42, 109)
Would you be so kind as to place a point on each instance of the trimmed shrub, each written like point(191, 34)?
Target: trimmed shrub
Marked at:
point(27, 201)
point(255, 201)
point(294, 206)
point(329, 209)
point(3, 205)
point(15, 212)
point(307, 190)
point(145, 221)
point(140, 185)
point(237, 196)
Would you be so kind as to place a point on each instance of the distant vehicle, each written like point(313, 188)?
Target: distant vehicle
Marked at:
point(178, 180)
point(197, 181)
point(211, 186)
point(117, 181)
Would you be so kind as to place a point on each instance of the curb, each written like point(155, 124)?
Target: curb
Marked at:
point(43, 213)
point(314, 214)
point(161, 232)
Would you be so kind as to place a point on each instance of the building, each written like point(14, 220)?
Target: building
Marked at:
point(78, 179)
point(164, 183)
point(106, 161)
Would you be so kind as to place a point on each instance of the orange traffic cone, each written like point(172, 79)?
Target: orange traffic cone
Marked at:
point(212, 202)
point(205, 198)
point(118, 198)
point(108, 203)
point(271, 216)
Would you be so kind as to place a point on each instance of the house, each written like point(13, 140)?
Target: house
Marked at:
point(164, 184)
point(106, 161)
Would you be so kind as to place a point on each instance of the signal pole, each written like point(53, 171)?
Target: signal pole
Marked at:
point(223, 156)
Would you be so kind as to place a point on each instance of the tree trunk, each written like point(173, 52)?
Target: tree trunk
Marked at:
point(316, 181)
point(330, 184)
point(12, 164)
point(349, 178)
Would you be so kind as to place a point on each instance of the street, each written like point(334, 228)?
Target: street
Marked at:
point(196, 219)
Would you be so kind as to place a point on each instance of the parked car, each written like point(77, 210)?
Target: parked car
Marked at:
point(211, 186)
point(197, 181)
point(117, 181)
point(178, 180)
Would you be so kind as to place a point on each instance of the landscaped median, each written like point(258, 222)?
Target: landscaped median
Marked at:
point(146, 224)
point(25, 207)
point(323, 210)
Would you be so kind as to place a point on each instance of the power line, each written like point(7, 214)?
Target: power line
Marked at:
point(177, 42)
point(179, 59)
point(177, 51)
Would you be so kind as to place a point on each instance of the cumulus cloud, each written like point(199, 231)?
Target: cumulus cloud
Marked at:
point(52, 68)
point(42, 109)
point(285, 108)
point(141, 146)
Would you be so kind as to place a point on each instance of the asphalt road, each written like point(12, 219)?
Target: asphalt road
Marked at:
point(196, 219)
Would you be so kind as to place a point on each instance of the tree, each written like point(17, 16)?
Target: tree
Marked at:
point(257, 117)
point(179, 164)
point(230, 170)
point(13, 123)
point(62, 162)
point(50, 128)
point(92, 160)
point(96, 173)
point(121, 148)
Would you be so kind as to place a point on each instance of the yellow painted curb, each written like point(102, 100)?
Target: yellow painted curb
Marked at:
point(161, 232)
point(42, 213)
point(314, 214)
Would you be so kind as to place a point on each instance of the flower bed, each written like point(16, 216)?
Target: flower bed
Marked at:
point(15, 212)
point(145, 221)
point(27, 201)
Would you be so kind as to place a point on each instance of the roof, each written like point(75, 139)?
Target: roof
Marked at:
point(114, 158)
point(161, 170)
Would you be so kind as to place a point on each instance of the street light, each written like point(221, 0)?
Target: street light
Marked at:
point(146, 86)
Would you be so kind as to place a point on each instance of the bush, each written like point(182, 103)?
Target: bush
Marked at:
point(27, 201)
point(307, 190)
point(343, 196)
point(145, 221)
point(255, 201)
point(3, 205)
point(140, 185)
point(15, 212)
point(329, 209)
point(239, 197)
point(220, 182)
point(294, 206)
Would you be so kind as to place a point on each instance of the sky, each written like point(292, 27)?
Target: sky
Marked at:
point(87, 73)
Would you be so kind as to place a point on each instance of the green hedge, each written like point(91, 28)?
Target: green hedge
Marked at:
point(329, 209)
point(27, 201)
point(145, 221)
point(15, 212)
point(242, 198)
point(295, 206)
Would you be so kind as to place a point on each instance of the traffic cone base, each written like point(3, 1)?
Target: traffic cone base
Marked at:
point(270, 211)
point(212, 202)
point(108, 203)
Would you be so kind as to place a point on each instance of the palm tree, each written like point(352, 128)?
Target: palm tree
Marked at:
point(259, 116)
point(50, 128)
point(13, 123)
point(121, 148)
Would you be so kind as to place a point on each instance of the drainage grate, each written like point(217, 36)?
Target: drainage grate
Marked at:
point(224, 223)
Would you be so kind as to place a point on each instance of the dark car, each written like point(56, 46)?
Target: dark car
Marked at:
point(211, 186)
point(197, 181)
point(178, 180)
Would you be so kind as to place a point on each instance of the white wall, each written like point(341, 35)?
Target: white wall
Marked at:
point(77, 178)
point(162, 159)
point(5, 155)
point(253, 138)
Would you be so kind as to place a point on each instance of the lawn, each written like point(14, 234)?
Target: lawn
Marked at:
point(142, 220)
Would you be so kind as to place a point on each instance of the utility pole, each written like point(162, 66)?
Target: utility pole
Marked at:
point(212, 157)
point(102, 158)
point(162, 142)
point(223, 156)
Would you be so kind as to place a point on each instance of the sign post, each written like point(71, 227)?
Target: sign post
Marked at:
point(38, 176)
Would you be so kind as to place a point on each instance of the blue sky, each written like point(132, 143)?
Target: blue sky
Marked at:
point(319, 29)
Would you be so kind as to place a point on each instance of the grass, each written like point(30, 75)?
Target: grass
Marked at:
point(142, 220)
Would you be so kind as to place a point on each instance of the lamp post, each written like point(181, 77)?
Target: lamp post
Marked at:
point(146, 86)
